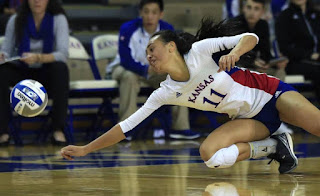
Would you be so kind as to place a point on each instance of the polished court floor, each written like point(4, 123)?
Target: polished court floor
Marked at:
point(153, 167)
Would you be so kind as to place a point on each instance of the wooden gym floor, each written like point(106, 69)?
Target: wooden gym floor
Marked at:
point(153, 167)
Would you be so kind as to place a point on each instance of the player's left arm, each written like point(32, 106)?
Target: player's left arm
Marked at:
point(239, 44)
point(245, 44)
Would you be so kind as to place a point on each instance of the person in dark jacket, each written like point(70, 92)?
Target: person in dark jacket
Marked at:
point(298, 33)
point(251, 21)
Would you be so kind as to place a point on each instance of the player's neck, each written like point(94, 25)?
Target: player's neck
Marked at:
point(179, 70)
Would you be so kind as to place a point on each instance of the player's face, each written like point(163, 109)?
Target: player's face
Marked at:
point(151, 14)
point(253, 11)
point(38, 6)
point(157, 54)
point(299, 2)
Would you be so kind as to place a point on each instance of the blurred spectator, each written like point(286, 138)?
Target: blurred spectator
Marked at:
point(231, 8)
point(298, 33)
point(131, 67)
point(276, 6)
point(38, 33)
point(253, 10)
point(8, 8)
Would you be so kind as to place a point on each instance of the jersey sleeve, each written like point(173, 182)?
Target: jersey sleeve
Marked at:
point(213, 45)
point(155, 101)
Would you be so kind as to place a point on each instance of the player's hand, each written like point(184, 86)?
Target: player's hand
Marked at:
point(227, 62)
point(71, 151)
point(30, 58)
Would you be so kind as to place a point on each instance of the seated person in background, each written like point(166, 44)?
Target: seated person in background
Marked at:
point(251, 21)
point(40, 34)
point(132, 67)
point(8, 8)
point(298, 33)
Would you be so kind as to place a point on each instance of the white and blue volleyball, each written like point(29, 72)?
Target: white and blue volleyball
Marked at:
point(28, 98)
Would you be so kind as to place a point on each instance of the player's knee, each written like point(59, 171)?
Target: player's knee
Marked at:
point(206, 152)
point(224, 157)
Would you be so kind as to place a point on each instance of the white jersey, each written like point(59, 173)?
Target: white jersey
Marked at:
point(239, 93)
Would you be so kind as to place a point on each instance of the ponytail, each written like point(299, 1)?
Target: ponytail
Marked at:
point(208, 29)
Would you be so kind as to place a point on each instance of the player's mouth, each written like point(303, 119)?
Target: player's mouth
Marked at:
point(152, 62)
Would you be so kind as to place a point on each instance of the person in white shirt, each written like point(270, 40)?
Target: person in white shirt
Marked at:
point(202, 74)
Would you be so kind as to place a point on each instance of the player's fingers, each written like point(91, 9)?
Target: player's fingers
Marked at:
point(222, 63)
point(67, 150)
point(233, 60)
point(66, 156)
point(228, 63)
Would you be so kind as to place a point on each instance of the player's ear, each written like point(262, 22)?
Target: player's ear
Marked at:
point(172, 46)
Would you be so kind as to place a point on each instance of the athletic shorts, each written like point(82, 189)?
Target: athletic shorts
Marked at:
point(269, 114)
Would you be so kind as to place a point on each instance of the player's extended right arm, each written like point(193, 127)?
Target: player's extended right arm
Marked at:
point(113, 136)
point(117, 133)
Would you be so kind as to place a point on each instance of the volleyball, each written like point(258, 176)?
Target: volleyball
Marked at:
point(28, 98)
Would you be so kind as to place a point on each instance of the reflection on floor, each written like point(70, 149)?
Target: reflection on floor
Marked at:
point(155, 167)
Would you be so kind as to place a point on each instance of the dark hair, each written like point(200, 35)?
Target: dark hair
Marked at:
point(144, 2)
point(208, 29)
point(263, 2)
point(54, 7)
